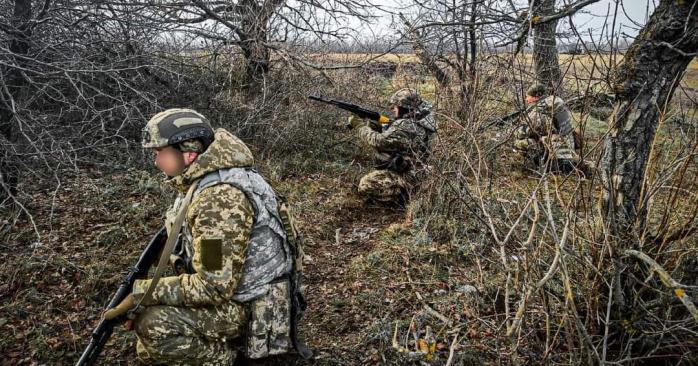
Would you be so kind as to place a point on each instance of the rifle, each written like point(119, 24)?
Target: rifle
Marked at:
point(359, 111)
point(105, 328)
point(508, 119)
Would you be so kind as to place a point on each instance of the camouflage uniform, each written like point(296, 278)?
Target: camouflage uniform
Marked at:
point(191, 318)
point(547, 132)
point(399, 150)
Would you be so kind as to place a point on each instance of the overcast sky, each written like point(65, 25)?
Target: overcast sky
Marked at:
point(632, 15)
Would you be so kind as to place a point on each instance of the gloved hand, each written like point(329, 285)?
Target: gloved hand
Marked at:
point(356, 122)
point(126, 305)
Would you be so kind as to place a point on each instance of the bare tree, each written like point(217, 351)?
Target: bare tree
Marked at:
point(445, 35)
point(543, 18)
point(644, 85)
point(74, 77)
point(424, 55)
point(18, 31)
point(545, 57)
point(257, 28)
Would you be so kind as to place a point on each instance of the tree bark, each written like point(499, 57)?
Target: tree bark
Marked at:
point(473, 40)
point(254, 21)
point(545, 57)
point(644, 85)
point(254, 30)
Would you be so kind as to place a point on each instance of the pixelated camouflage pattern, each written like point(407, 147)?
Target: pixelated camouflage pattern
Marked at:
point(226, 151)
point(550, 122)
point(383, 185)
point(551, 115)
point(153, 135)
point(221, 217)
point(407, 136)
point(406, 98)
point(268, 256)
point(292, 234)
point(269, 330)
point(220, 213)
point(191, 146)
point(410, 139)
point(559, 147)
point(171, 335)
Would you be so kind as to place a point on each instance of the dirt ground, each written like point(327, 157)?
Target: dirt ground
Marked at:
point(363, 266)
point(379, 288)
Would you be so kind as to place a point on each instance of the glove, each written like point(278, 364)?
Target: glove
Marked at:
point(126, 305)
point(356, 122)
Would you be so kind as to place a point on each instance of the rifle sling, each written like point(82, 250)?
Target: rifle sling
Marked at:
point(169, 245)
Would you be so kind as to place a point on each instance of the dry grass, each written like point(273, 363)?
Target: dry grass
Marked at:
point(371, 270)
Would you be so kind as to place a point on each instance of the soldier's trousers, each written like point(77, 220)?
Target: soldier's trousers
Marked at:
point(171, 335)
point(383, 186)
point(559, 149)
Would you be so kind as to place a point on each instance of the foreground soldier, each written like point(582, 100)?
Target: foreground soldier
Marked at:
point(399, 150)
point(546, 133)
point(241, 257)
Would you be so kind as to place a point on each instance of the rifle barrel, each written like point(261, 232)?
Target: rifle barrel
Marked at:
point(105, 328)
point(354, 108)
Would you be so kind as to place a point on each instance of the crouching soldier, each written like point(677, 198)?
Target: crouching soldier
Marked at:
point(240, 288)
point(545, 136)
point(399, 150)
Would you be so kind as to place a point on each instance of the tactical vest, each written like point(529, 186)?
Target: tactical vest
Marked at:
point(562, 118)
point(402, 162)
point(268, 255)
point(271, 281)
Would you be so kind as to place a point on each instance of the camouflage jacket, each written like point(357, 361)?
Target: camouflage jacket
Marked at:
point(549, 124)
point(406, 138)
point(550, 116)
point(220, 221)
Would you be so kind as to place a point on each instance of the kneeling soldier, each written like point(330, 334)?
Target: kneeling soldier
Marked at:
point(546, 133)
point(399, 150)
point(239, 244)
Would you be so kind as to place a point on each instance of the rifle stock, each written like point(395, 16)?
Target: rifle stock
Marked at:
point(105, 328)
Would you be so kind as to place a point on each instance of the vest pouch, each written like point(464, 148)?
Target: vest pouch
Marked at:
point(269, 325)
point(293, 236)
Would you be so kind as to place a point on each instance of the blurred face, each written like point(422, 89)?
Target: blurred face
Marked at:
point(396, 111)
point(169, 160)
point(173, 162)
point(531, 99)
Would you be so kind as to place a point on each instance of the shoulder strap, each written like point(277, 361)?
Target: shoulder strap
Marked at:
point(169, 245)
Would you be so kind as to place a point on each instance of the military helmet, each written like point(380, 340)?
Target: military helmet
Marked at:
point(537, 90)
point(174, 126)
point(406, 98)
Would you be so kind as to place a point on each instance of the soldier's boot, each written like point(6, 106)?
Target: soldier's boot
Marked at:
point(563, 166)
point(403, 198)
point(281, 360)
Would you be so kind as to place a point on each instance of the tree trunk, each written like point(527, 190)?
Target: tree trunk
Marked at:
point(644, 85)
point(473, 40)
point(254, 19)
point(14, 82)
point(256, 58)
point(545, 56)
point(425, 57)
